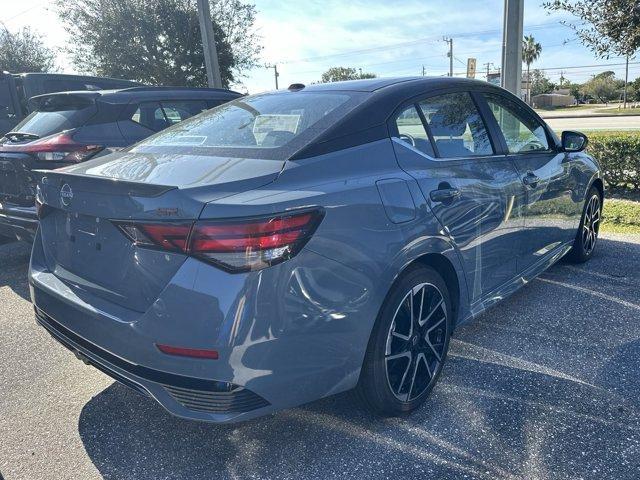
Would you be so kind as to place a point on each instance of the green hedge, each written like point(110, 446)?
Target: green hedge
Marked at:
point(619, 156)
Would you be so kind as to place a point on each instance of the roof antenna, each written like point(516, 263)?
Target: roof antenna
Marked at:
point(296, 86)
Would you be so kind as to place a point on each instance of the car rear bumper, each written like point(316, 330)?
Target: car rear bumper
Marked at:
point(285, 336)
point(18, 222)
point(183, 396)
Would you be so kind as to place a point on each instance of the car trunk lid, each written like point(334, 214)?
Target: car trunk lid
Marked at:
point(84, 204)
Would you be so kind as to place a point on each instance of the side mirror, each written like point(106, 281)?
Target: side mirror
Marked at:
point(574, 141)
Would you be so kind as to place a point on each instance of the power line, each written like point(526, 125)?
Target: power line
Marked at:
point(414, 60)
point(33, 7)
point(430, 39)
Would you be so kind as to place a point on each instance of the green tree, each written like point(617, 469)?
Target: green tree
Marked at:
point(158, 41)
point(24, 51)
point(602, 87)
point(336, 74)
point(635, 88)
point(574, 89)
point(531, 51)
point(606, 26)
point(540, 83)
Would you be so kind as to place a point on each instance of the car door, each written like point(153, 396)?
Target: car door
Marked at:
point(468, 183)
point(552, 192)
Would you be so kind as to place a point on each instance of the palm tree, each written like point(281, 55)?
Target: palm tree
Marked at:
point(530, 53)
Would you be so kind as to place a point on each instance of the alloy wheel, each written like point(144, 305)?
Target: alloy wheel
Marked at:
point(416, 342)
point(591, 224)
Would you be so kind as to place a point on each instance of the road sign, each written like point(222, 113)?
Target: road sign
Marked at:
point(471, 68)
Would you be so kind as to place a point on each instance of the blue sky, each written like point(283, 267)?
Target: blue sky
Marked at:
point(389, 38)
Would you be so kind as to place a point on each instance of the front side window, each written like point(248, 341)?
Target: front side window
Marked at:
point(411, 130)
point(456, 126)
point(522, 132)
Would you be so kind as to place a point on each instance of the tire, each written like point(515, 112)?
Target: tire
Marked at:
point(587, 235)
point(404, 360)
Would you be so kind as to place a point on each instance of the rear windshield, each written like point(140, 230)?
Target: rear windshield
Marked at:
point(55, 114)
point(271, 125)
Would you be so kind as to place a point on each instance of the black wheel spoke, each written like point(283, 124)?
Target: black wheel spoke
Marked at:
point(416, 342)
point(591, 224)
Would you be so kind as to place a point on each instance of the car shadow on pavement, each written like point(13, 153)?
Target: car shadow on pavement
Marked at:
point(544, 385)
point(14, 264)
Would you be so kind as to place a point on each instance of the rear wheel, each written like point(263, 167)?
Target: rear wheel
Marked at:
point(587, 236)
point(408, 345)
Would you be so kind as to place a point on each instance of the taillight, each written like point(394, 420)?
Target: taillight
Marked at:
point(167, 236)
point(244, 245)
point(57, 148)
point(235, 245)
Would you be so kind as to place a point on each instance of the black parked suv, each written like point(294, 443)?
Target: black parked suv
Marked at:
point(70, 127)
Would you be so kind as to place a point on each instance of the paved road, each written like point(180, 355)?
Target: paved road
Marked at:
point(620, 122)
point(543, 386)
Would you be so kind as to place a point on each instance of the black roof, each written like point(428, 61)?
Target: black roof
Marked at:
point(367, 121)
point(391, 83)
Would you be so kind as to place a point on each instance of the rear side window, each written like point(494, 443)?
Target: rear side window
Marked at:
point(176, 111)
point(272, 125)
point(157, 116)
point(411, 130)
point(521, 130)
point(456, 126)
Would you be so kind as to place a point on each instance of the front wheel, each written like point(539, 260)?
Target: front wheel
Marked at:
point(408, 345)
point(587, 236)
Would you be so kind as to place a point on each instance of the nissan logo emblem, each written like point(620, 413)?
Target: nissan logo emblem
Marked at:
point(66, 195)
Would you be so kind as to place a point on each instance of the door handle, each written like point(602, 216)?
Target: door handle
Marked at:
point(530, 179)
point(443, 195)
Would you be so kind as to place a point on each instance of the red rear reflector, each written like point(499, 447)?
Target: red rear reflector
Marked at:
point(188, 352)
point(233, 245)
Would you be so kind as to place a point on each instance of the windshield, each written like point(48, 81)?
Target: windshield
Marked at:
point(271, 125)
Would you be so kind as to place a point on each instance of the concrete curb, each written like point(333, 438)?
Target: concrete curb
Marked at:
point(590, 115)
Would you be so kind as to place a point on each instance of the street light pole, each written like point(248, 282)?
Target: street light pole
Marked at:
point(209, 45)
point(512, 46)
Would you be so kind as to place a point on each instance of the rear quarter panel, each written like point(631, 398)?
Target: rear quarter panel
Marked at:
point(323, 303)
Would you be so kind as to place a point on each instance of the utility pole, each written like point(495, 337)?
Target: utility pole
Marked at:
point(488, 65)
point(209, 45)
point(450, 54)
point(562, 79)
point(424, 71)
point(275, 72)
point(512, 46)
point(626, 81)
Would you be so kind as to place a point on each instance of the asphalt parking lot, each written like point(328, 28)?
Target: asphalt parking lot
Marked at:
point(543, 386)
